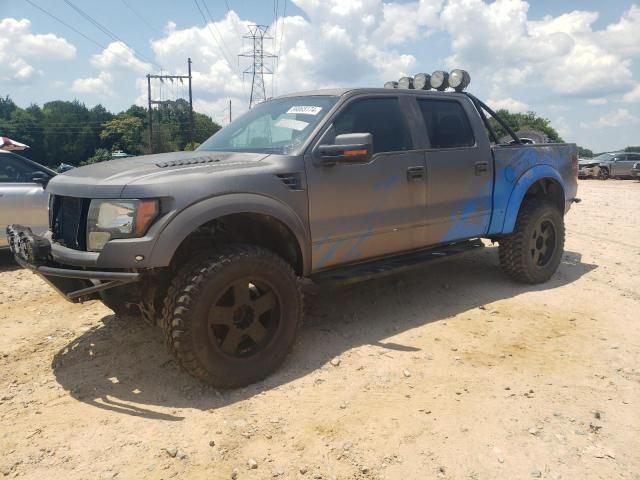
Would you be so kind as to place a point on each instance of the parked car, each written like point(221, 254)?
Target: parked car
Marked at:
point(616, 164)
point(635, 171)
point(330, 185)
point(22, 195)
point(588, 168)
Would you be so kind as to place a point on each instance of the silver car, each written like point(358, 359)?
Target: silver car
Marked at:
point(22, 196)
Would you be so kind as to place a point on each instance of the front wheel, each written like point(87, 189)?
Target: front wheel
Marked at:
point(231, 316)
point(532, 253)
point(603, 173)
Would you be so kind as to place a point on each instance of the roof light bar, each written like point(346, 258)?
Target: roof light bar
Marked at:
point(421, 81)
point(459, 80)
point(405, 82)
point(439, 80)
point(391, 84)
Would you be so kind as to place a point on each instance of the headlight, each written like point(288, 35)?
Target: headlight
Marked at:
point(405, 82)
point(459, 80)
point(110, 219)
point(439, 80)
point(421, 81)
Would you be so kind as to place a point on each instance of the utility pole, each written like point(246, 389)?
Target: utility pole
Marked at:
point(152, 102)
point(258, 69)
point(229, 111)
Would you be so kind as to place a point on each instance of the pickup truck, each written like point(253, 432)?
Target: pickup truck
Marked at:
point(328, 185)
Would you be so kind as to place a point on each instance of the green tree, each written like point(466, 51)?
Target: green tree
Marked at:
point(584, 152)
point(525, 121)
point(100, 155)
point(123, 132)
point(632, 149)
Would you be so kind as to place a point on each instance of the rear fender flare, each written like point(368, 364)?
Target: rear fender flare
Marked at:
point(520, 189)
point(196, 215)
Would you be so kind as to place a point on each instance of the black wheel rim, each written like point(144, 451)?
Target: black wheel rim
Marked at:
point(244, 319)
point(542, 244)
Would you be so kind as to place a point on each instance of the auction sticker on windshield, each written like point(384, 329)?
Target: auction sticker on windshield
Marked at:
point(305, 109)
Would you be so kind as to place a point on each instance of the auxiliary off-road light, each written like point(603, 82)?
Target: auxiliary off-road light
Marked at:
point(405, 82)
point(459, 80)
point(439, 80)
point(421, 81)
point(391, 85)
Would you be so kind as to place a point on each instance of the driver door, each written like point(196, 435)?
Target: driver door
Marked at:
point(367, 210)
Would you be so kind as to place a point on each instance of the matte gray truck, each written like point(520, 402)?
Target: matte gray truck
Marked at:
point(331, 185)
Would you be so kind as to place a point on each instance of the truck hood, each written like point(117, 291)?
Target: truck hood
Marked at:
point(109, 179)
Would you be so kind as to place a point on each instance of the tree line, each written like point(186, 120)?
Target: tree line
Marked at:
point(69, 132)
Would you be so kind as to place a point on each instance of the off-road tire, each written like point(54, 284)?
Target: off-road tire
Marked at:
point(191, 298)
point(514, 251)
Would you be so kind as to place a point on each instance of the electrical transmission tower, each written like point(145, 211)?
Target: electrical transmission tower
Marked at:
point(152, 102)
point(258, 69)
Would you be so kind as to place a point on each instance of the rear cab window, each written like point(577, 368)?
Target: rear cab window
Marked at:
point(447, 124)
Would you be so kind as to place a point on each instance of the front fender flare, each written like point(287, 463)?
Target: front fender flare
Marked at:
point(196, 215)
point(520, 189)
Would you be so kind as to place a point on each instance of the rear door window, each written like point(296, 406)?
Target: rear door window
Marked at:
point(447, 124)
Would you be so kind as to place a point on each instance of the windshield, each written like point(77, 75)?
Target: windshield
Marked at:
point(276, 126)
point(603, 157)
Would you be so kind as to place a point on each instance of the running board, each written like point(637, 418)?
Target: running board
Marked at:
point(396, 264)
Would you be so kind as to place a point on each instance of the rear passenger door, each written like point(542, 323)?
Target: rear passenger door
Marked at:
point(459, 170)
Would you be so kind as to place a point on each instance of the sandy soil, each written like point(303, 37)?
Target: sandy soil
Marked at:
point(450, 372)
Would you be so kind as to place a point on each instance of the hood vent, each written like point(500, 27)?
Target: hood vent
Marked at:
point(291, 180)
point(187, 161)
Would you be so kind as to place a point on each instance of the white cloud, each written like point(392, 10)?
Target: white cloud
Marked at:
point(118, 56)
point(101, 86)
point(19, 47)
point(597, 101)
point(509, 104)
point(624, 36)
point(617, 118)
point(633, 95)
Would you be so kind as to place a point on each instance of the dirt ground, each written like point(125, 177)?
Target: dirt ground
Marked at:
point(449, 372)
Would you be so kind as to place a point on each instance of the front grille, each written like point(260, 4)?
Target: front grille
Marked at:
point(69, 221)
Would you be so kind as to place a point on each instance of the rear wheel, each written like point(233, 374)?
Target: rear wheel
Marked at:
point(532, 253)
point(231, 317)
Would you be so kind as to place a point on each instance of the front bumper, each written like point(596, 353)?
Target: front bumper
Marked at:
point(34, 252)
point(586, 172)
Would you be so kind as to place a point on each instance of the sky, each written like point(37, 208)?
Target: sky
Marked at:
point(574, 62)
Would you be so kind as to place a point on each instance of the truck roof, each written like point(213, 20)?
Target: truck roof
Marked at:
point(338, 92)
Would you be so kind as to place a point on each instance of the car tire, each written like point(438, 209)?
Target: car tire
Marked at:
point(532, 253)
point(603, 173)
point(231, 316)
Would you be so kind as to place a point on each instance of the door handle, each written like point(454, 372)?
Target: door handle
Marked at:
point(482, 168)
point(415, 173)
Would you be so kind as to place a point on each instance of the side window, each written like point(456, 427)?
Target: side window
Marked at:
point(447, 124)
point(382, 118)
point(14, 171)
point(633, 157)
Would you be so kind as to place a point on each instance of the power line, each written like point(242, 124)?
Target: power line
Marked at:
point(204, 2)
point(212, 35)
point(98, 44)
point(106, 31)
point(144, 20)
point(284, 16)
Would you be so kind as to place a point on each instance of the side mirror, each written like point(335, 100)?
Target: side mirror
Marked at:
point(41, 178)
point(348, 148)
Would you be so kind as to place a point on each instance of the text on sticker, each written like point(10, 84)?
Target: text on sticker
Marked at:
point(305, 109)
